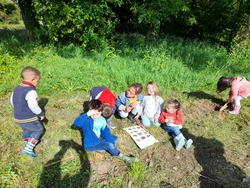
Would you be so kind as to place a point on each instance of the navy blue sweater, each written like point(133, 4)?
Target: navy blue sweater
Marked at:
point(22, 112)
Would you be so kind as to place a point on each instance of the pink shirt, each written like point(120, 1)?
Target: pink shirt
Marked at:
point(240, 86)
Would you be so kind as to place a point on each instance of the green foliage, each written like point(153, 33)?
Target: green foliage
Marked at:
point(186, 18)
point(92, 23)
point(152, 15)
point(9, 12)
point(76, 21)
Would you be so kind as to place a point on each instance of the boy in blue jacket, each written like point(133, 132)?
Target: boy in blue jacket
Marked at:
point(96, 133)
point(128, 103)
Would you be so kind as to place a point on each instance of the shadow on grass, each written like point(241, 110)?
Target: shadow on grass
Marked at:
point(216, 170)
point(203, 95)
point(52, 172)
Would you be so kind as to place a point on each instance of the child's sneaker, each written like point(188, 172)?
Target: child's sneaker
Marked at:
point(131, 118)
point(180, 144)
point(111, 125)
point(235, 111)
point(179, 141)
point(188, 143)
point(128, 159)
point(29, 146)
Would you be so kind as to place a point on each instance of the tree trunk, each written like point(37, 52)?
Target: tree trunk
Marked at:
point(29, 17)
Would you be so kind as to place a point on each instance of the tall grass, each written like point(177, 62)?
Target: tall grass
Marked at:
point(173, 64)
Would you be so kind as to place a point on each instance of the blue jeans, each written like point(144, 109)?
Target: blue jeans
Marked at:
point(32, 129)
point(146, 121)
point(107, 146)
point(174, 130)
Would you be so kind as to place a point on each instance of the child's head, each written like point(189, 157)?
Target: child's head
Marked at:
point(107, 111)
point(173, 105)
point(224, 83)
point(96, 105)
point(134, 90)
point(31, 74)
point(152, 88)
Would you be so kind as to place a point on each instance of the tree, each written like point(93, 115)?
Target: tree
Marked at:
point(29, 17)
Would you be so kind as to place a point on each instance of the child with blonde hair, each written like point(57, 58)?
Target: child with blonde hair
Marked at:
point(172, 119)
point(239, 89)
point(152, 106)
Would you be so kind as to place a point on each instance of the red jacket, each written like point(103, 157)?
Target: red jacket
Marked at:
point(177, 117)
point(107, 97)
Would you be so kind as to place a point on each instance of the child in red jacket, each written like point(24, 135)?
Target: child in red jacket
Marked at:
point(108, 99)
point(172, 119)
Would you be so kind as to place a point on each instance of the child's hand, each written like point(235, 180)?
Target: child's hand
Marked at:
point(42, 118)
point(134, 104)
point(169, 120)
point(137, 116)
point(156, 120)
point(128, 108)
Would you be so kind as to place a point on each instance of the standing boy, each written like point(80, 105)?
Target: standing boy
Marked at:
point(26, 110)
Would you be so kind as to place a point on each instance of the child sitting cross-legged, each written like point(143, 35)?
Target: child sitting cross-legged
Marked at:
point(97, 135)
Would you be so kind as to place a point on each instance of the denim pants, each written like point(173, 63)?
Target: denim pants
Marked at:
point(32, 129)
point(107, 146)
point(174, 130)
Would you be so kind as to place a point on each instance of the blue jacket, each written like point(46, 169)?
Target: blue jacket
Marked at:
point(122, 100)
point(90, 139)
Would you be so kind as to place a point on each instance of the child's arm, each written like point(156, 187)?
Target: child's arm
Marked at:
point(31, 98)
point(11, 99)
point(162, 118)
point(121, 103)
point(179, 118)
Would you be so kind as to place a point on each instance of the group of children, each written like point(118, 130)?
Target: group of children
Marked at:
point(103, 104)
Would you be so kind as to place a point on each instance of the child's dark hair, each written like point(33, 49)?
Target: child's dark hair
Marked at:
point(224, 83)
point(96, 104)
point(30, 69)
point(175, 103)
point(107, 111)
point(138, 88)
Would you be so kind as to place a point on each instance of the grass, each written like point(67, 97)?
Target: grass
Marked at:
point(185, 69)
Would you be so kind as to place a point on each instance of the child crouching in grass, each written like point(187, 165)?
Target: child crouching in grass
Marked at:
point(97, 135)
point(172, 119)
point(239, 88)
